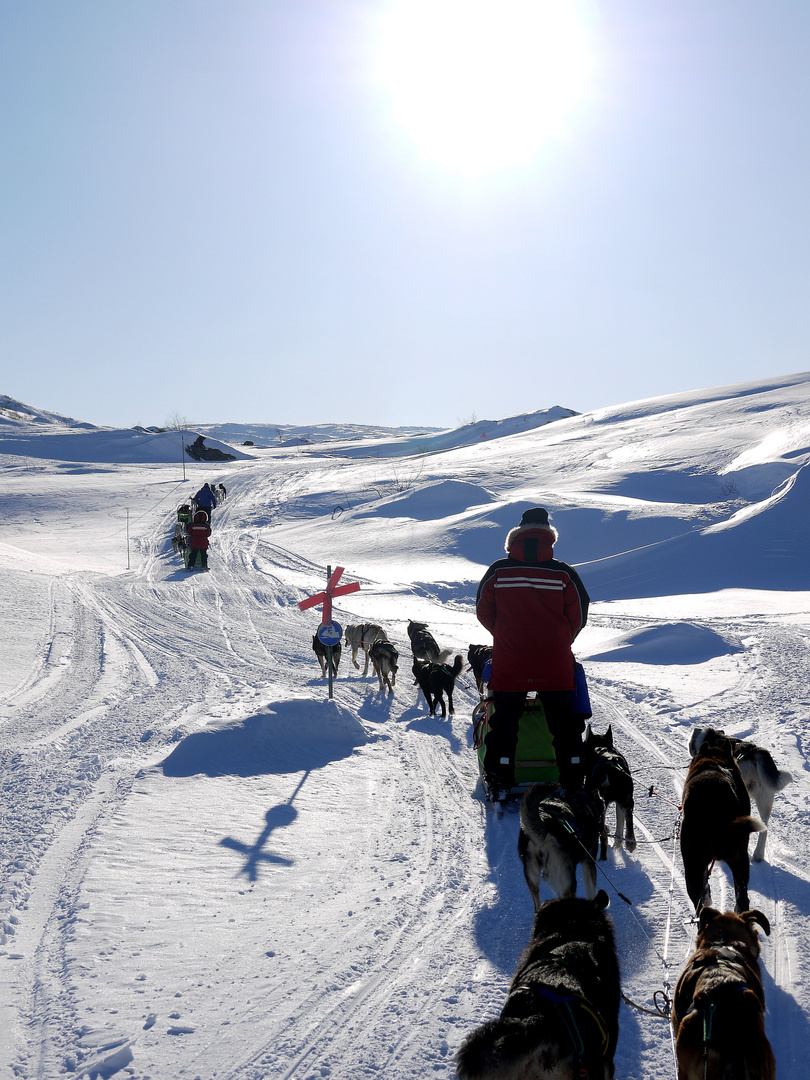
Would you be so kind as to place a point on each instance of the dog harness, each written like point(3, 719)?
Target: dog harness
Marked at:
point(721, 956)
point(569, 1008)
point(385, 646)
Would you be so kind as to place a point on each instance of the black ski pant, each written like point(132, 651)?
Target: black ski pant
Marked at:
point(566, 728)
point(192, 557)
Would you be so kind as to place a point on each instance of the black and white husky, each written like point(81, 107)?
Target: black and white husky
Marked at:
point(560, 1020)
point(759, 772)
point(384, 658)
point(362, 636)
point(558, 831)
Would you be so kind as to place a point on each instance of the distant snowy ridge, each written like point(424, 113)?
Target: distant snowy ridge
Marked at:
point(389, 442)
point(476, 432)
point(16, 414)
point(26, 432)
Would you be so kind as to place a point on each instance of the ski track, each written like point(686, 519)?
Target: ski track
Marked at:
point(105, 698)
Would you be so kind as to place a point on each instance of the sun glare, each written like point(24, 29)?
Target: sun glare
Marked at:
point(481, 85)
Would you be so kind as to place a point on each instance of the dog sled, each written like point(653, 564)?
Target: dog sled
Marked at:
point(535, 759)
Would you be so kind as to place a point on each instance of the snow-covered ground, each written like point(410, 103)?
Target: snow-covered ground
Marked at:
point(210, 869)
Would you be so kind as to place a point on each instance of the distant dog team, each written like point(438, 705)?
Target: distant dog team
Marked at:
point(435, 674)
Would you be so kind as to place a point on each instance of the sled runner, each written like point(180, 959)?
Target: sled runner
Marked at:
point(535, 760)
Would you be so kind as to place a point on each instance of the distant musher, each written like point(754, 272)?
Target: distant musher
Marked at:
point(205, 499)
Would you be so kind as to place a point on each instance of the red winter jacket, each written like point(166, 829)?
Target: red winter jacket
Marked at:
point(197, 535)
point(534, 606)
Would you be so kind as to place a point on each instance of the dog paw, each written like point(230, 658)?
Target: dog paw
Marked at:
point(631, 845)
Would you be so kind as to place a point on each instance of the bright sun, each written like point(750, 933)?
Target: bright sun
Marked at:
point(481, 85)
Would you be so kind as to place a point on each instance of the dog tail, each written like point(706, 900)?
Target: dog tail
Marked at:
point(783, 778)
point(458, 664)
point(500, 1048)
point(742, 827)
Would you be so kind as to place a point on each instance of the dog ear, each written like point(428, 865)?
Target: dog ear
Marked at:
point(602, 900)
point(609, 736)
point(707, 915)
point(757, 916)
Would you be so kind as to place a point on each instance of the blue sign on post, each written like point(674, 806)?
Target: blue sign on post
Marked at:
point(330, 633)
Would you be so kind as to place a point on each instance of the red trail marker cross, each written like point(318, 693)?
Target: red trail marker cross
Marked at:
point(332, 590)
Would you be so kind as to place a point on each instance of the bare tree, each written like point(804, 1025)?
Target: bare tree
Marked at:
point(176, 422)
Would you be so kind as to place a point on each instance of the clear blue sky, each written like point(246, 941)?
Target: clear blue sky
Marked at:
point(227, 211)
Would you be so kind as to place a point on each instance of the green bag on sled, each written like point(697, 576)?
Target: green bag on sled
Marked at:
point(535, 760)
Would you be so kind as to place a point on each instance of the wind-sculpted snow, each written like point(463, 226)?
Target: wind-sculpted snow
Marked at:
point(761, 546)
point(431, 501)
point(667, 643)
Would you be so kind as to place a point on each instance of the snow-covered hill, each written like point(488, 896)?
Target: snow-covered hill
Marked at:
point(211, 869)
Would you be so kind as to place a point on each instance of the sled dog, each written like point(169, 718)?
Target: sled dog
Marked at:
point(322, 653)
point(560, 1020)
point(362, 636)
point(759, 772)
point(716, 822)
point(423, 643)
point(477, 656)
point(436, 680)
point(718, 1013)
point(607, 771)
point(558, 831)
point(384, 659)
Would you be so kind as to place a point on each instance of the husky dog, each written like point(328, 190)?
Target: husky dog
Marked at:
point(607, 771)
point(718, 1014)
point(362, 636)
point(560, 1020)
point(384, 658)
point(322, 653)
point(759, 772)
point(179, 539)
point(436, 680)
point(423, 643)
point(716, 822)
point(557, 831)
point(477, 656)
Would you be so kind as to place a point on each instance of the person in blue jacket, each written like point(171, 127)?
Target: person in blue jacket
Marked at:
point(205, 499)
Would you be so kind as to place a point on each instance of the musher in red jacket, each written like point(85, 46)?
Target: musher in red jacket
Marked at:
point(197, 538)
point(534, 606)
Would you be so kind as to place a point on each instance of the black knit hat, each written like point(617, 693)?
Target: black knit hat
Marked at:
point(538, 515)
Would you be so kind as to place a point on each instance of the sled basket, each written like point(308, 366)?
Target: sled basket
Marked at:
point(535, 760)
